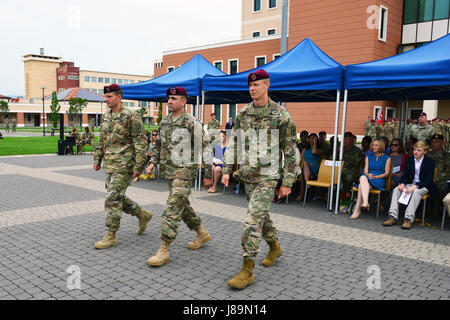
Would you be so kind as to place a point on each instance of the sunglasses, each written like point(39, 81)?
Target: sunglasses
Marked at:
point(154, 135)
point(395, 145)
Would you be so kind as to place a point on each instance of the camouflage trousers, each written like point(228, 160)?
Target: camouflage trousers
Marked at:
point(258, 223)
point(116, 201)
point(178, 208)
point(348, 178)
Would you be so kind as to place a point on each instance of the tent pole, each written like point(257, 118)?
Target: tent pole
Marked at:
point(400, 121)
point(336, 124)
point(405, 125)
point(197, 108)
point(203, 107)
point(341, 151)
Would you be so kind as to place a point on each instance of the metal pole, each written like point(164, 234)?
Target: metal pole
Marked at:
point(197, 108)
point(341, 151)
point(43, 111)
point(405, 136)
point(284, 24)
point(203, 107)
point(400, 122)
point(336, 125)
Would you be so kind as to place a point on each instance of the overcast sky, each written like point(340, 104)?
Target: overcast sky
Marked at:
point(115, 36)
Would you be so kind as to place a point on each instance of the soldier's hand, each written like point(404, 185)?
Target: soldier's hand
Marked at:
point(136, 174)
point(150, 168)
point(207, 182)
point(97, 167)
point(225, 179)
point(284, 192)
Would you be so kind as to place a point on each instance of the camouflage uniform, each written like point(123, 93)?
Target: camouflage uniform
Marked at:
point(437, 128)
point(173, 134)
point(261, 179)
point(326, 150)
point(14, 124)
point(7, 124)
point(122, 145)
point(350, 172)
point(87, 138)
point(92, 125)
point(447, 137)
point(366, 127)
point(395, 129)
point(442, 163)
point(373, 131)
point(422, 132)
point(213, 131)
point(389, 132)
point(213, 124)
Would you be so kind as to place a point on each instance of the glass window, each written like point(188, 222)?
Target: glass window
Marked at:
point(271, 32)
point(73, 77)
point(276, 56)
point(260, 61)
point(113, 80)
point(425, 10)
point(120, 81)
point(256, 34)
point(107, 80)
point(94, 79)
point(272, 4)
point(441, 9)
point(218, 65)
point(233, 66)
point(410, 12)
point(101, 79)
point(94, 90)
point(100, 91)
point(132, 81)
point(217, 109)
point(125, 81)
point(125, 104)
point(169, 69)
point(256, 5)
point(132, 104)
point(87, 79)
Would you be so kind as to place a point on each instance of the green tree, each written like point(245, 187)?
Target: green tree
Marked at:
point(55, 108)
point(142, 110)
point(159, 113)
point(4, 108)
point(76, 106)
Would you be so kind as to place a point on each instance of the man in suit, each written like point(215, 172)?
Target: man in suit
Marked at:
point(417, 179)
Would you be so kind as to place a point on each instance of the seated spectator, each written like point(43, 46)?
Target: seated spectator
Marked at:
point(87, 138)
point(76, 135)
point(397, 154)
point(303, 141)
point(416, 180)
point(352, 158)
point(386, 143)
point(217, 166)
point(376, 169)
point(324, 145)
point(365, 149)
point(311, 155)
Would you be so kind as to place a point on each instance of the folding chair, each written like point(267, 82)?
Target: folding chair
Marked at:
point(425, 197)
point(387, 188)
point(323, 178)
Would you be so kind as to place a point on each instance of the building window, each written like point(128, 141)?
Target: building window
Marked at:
point(107, 80)
point(218, 112)
point(410, 11)
point(94, 90)
point(391, 113)
point(125, 104)
point(132, 81)
point(61, 89)
point(272, 4)
point(93, 79)
point(87, 79)
point(276, 56)
point(100, 91)
point(256, 5)
point(132, 104)
point(376, 112)
point(125, 81)
point(170, 69)
point(113, 80)
point(101, 79)
point(28, 117)
point(441, 9)
point(61, 77)
point(382, 35)
point(233, 66)
point(218, 65)
point(260, 61)
point(73, 77)
point(256, 34)
point(425, 10)
point(120, 81)
point(271, 32)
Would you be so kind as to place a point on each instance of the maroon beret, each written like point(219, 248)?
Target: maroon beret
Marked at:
point(423, 114)
point(111, 88)
point(176, 91)
point(257, 75)
point(348, 134)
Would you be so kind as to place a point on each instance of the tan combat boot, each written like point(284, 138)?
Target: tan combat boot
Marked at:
point(245, 277)
point(202, 237)
point(274, 252)
point(144, 217)
point(108, 240)
point(162, 256)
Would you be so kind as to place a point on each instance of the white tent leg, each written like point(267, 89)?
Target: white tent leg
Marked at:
point(336, 124)
point(341, 153)
point(203, 107)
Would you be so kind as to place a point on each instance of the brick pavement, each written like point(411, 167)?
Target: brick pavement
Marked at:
point(51, 214)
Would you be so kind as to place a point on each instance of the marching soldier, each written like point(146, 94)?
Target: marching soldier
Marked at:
point(122, 146)
point(14, 124)
point(7, 124)
point(175, 150)
point(260, 175)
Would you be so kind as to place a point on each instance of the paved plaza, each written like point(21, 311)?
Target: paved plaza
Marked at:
point(51, 214)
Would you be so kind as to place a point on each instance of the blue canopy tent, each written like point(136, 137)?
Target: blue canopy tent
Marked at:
point(189, 75)
point(303, 74)
point(419, 74)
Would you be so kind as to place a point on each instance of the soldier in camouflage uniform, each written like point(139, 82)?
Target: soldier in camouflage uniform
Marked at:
point(366, 126)
point(260, 171)
point(87, 138)
point(422, 131)
point(122, 145)
point(180, 141)
point(395, 128)
point(92, 125)
point(373, 130)
point(442, 164)
point(436, 124)
point(7, 124)
point(353, 159)
point(213, 129)
point(446, 134)
point(14, 124)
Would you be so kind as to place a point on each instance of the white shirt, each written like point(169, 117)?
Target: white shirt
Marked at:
point(417, 163)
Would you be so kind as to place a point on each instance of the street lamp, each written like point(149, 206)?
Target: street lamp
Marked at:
point(43, 111)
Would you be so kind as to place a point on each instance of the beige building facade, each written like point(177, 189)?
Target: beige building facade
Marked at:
point(261, 18)
point(40, 71)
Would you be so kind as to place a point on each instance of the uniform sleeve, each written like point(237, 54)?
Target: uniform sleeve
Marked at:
point(140, 142)
point(288, 139)
point(100, 149)
point(156, 148)
point(207, 154)
point(230, 155)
